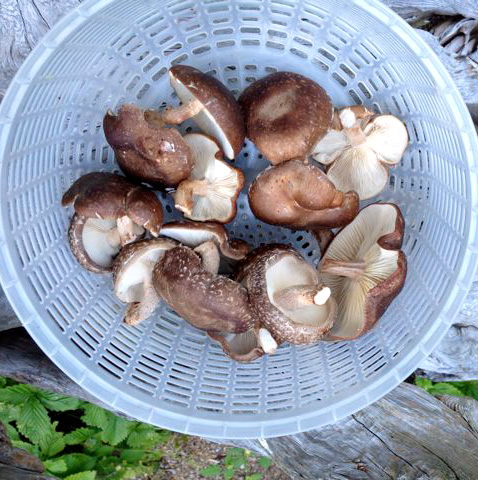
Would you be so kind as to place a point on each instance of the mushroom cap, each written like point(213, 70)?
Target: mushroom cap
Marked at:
point(375, 237)
point(362, 166)
point(300, 196)
point(145, 152)
point(221, 182)
point(109, 196)
point(242, 347)
point(286, 114)
point(221, 118)
point(89, 243)
point(276, 269)
point(207, 301)
point(133, 267)
point(193, 234)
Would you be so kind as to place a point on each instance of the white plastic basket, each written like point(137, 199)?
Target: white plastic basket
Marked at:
point(163, 371)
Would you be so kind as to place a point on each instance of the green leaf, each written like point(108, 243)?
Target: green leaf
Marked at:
point(33, 420)
point(265, 462)
point(211, 471)
point(146, 437)
point(423, 383)
point(87, 475)
point(235, 458)
point(57, 402)
point(131, 455)
point(103, 451)
point(55, 466)
point(254, 476)
point(115, 430)
point(94, 416)
point(52, 443)
point(3, 382)
point(16, 394)
point(445, 389)
point(9, 413)
point(78, 462)
point(33, 449)
point(12, 432)
point(79, 436)
point(107, 465)
point(229, 473)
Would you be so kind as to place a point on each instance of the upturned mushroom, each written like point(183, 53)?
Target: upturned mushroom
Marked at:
point(132, 277)
point(203, 298)
point(286, 114)
point(110, 211)
point(248, 346)
point(210, 105)
point(211, 191)
point(365, 269)
point(360, 148)
point(300, 196)
point(145, 150)
point(287, 296)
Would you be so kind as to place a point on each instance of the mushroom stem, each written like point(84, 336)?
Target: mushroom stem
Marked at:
point(177, 115)
point(113, 237)
point(139, 311)
point(154, 118)
point(353, 131)
point(128, 231)
point(299, 296)
point(209, 254)
point(266, 341)
point(353, 270)
point(183, 197)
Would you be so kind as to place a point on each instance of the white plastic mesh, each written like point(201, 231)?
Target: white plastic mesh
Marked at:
point(164, 371)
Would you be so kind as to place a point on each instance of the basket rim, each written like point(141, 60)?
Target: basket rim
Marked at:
point(246, 426)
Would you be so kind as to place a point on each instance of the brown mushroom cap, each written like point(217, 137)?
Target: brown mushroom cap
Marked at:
point(93, 243)
point(300, 196)
point(207, 301)
point(286, 114)
point(147, 152)
point(109, 196)
point(193, 234)
point(211, 191)
point(221, 116)
point(365, 269)
point(277, 271)
point(360, 148)
point(132, 277)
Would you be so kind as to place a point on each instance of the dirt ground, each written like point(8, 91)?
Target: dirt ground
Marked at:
point(184, 457)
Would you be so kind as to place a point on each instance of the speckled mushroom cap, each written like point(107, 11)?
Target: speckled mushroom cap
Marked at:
point(109, 196)
point(221, 117)
point(146, 152)
point(365, 269)
point(206, 300)
point(300, 196)
point(286, 114)
point(275, 269)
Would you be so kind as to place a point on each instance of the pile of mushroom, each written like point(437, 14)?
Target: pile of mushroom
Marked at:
point(248, 301)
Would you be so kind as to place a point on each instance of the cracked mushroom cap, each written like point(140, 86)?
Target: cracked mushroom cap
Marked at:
point(248, 346)
point(287, 297)
point(211, 191)
point(204, 299)
point(300, 196)
point(132, 277)
point(286, 114)
point(365, 269)
point(218, 114)
point(192, 234)
point(360, 149)
point(146, 151)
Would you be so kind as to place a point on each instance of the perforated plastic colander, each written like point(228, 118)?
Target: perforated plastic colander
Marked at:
point(163, 371)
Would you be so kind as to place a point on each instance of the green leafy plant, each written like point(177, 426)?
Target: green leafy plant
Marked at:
point(459, 389)
point(236, 461)
point(99, 445)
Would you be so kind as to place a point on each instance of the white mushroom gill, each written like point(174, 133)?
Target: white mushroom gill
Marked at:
point(289, 272)
point(101, 240)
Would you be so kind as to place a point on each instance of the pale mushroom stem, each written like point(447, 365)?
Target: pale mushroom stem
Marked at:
point(128, 231)
point(112, 235)
point(139, 311)
point(341, 268)
point(209, 254)
point(183, 197)
point(266, 341)
point(352, 130)
point(299, 296)
point(177, 115)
